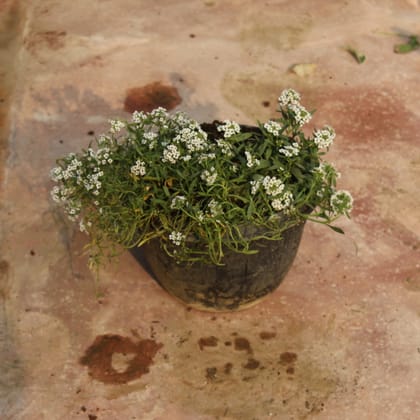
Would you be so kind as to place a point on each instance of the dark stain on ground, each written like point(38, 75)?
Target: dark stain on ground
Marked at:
point(265, 104)
point(242, 344)
point(4, 274)
point(211, 341)
point(228, 368)
point(290, 370)
point(98, 358)
point(151, 96)
point(288, 357)
point(92, 417)
point(266, 335)
point(252, 364)
point(211, 373)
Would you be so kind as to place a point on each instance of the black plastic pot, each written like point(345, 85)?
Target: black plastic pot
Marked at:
point(240, 283)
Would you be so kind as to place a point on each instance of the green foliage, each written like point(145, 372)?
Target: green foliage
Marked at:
point(199, 189)
point(411, 45)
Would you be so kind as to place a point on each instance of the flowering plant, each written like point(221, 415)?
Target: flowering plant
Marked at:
point(197, 188)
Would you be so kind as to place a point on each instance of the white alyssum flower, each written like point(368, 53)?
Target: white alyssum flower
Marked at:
point(255, 185)
point(284, 202)
point(138, 117)
point(178, 201)
point(225, 147)
point(341, 201)
point(326, 169)
point(324, 138)
point(194, 138)
point(181, 119)
point(290, 150)
point(289, 96)
point(302, 116)
point(171, 154)
point(251, 160)
point(272, 186)
point(139, 169)
point(215, 208)
point(116, 126)
point(273, 127)
point(149, 138)
point(209, 176)
point(176, 237)
point(55, 194)
point(229, 128)
point(205, 157)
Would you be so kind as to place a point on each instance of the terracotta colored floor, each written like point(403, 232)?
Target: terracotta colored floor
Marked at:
point(339, 340)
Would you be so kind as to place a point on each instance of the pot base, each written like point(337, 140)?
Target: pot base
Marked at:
point(243, 281)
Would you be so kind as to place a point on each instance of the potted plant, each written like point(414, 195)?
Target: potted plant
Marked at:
point(217, 209)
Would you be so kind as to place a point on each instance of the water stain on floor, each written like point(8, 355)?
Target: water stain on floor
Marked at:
point(147, 98)
point(108, 350)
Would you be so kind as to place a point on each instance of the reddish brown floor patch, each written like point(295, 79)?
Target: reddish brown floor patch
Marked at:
point(208, 342)
point(288, 357)
point(368, 115)
point(151, 96)
point(267, 335)
point(98, 358)
point(242, 344)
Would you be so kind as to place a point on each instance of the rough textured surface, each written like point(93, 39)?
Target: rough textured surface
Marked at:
point(340, 339)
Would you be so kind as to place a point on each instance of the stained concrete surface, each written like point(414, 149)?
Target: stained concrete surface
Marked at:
point(340, 339)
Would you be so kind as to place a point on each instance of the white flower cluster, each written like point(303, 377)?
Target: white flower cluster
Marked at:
point(160, 115)
point(83, 227)
point(178, 201)
point(209, 176)
point(138, 117)
point(215, 208)
point(103, 139)
point(302, 116)
point(194, 138)
point(255, 185)
point(91, 182)
point(150, 138)
point(171, 154)
point(116, 126)
point(290, 150)
point(324, 138)
point(225, 147)
point(272, 185)
point(102, 156)
point(282, 203)
point(229, 128)
point(139, 169)
point(341, 201)
point(289, 96)
point(181, 119)
point(176, 237)
point(273, 127)
point(251, 160)
point(205, 157)
point(325, 169)
point(72, 170)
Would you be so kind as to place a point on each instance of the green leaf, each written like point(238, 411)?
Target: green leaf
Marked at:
point(242, 137)
point(336, 229)
point(360, 58)
point(297, 173)
point(411, 45)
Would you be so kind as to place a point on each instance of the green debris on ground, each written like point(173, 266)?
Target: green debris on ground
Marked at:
point(411, 45)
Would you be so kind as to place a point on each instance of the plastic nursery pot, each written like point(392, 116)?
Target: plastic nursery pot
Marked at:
point(241, 283)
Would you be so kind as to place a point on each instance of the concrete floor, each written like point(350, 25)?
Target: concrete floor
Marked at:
point(340, 338)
